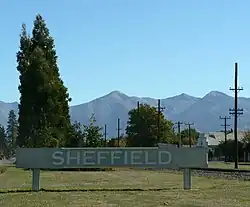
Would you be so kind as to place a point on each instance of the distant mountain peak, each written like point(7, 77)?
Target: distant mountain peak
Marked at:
point(116, 92)
point(216, 94)
point(183, 96)
point(202, 111)
point(117, 95)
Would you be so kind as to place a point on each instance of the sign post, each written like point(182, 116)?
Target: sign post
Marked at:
point(187, 178)
point(142, 157)
point(35, 179)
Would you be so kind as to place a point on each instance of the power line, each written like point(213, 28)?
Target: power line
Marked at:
point(118, 131)
point(138, 107)
point(189, 132)
point(159, 110)
point(105, 135)
point(225, 118)
point(236, 112)
point(179, 131)
point(140, 119)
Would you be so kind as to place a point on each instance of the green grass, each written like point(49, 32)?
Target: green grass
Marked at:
point(133, 188)
point(229, 165)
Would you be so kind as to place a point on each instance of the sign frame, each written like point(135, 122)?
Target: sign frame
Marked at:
point(133, 157)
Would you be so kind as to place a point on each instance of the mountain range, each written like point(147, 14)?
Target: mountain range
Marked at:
point(204, 111)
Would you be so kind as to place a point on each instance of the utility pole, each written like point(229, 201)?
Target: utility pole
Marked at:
point(189, 133)
point(225, 130)
point(105, 135)
point(118, 131)
point(139, 115)
point(236, 112)
point(159, 109)
point(179, 131)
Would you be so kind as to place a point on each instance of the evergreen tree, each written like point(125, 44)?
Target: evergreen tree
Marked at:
point(25, 105)
point(3, 143)
point(11, 131)
point(77, 138)
point(44, 119)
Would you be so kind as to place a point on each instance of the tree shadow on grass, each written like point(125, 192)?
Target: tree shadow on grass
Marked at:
point(88, 190)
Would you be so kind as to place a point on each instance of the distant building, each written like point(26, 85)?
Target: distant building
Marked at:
point(202, 141)
point(214, 138)
point(210, 140)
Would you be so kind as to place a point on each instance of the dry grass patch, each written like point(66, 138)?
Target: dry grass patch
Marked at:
point(206, 191)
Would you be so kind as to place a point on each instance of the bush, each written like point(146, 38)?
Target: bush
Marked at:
point(3, 169)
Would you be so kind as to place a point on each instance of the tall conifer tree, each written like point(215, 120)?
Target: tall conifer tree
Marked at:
point(11, 131)
point(44, 111)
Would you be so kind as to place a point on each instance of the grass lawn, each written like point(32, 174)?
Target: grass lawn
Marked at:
point(168, 189)
point(229, 165)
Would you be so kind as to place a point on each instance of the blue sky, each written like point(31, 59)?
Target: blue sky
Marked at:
point(157, 48)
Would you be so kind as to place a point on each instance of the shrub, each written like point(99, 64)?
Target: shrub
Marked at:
point(3, 169)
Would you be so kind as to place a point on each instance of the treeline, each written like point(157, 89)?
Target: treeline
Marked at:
point(44, 119)
point(141, 131)
point(227, 149)
point(8, 136)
